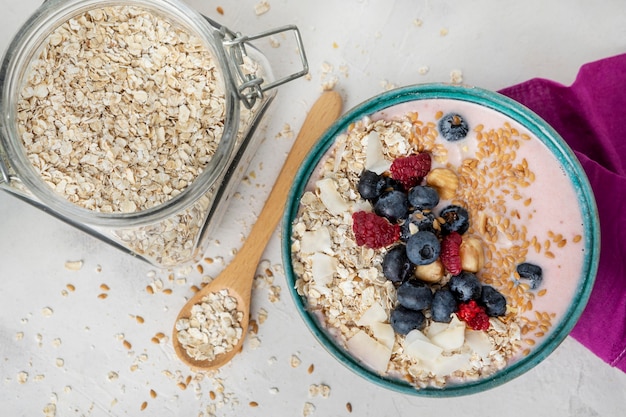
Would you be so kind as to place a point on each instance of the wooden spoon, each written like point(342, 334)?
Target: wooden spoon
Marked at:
point(238, 276)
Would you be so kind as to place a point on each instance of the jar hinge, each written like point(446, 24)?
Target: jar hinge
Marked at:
point(250, 86)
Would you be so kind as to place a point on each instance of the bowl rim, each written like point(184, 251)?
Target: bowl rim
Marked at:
point(538, 127)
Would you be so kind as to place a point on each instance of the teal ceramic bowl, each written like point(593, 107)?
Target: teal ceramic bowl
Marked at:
point(570, 165)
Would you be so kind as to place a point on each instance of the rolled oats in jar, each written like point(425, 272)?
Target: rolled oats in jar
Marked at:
point(121, 109)
point(133, 120)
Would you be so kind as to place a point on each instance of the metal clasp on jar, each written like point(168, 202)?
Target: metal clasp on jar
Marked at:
point(250, 86)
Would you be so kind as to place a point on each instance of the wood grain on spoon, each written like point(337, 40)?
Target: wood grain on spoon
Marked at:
point(238, 276)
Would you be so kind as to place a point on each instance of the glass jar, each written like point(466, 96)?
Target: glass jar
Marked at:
point(174, 230)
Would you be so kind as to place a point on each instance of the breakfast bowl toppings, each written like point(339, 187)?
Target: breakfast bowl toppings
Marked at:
point(422, 247)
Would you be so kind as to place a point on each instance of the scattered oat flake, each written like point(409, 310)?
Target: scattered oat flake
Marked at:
point(443, 31)
point(254, 342)
point(294, 361)
point(322, 390)
point(387, 85)
point(456, 76)
point(73, 265)
point(50, 410)
point(274, 294)
point(22, 377)
point(308, 409)
point(286, 132)
point(47, 311)
point(329, 83)
point(261, 8)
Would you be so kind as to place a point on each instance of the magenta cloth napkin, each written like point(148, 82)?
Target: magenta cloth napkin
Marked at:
point(590, 115)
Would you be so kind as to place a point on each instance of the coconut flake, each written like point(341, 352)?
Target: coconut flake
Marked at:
point(369, 351)
point(331, 198)
point(316, 241)
point(323, 268)
point(374, 158)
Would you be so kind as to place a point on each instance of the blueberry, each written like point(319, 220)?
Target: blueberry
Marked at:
point(418, 220)
point(403, 320)
point(423, 197)
point(415, 295)
point(465, 287)
point(393, 205)
point(371, 185)
point(393, 184)
point(456, 219)
point(494, 301)
point(443, 306)
point(396, 265)
point(423, 248)
point(453, 127)
point(531, 272)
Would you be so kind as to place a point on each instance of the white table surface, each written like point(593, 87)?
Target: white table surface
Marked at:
point(75, 358)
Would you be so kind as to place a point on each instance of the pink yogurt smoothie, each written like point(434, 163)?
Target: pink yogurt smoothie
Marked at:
point(554, 204)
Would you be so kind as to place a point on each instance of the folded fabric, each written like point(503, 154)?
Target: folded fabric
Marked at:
point(590, 115)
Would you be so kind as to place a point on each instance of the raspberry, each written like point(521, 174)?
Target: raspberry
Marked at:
point(409, 170)
point(474, 315)
point(374, 231)
point(451, 253)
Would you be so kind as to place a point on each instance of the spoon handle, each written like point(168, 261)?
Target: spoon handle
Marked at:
point(323, 113)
